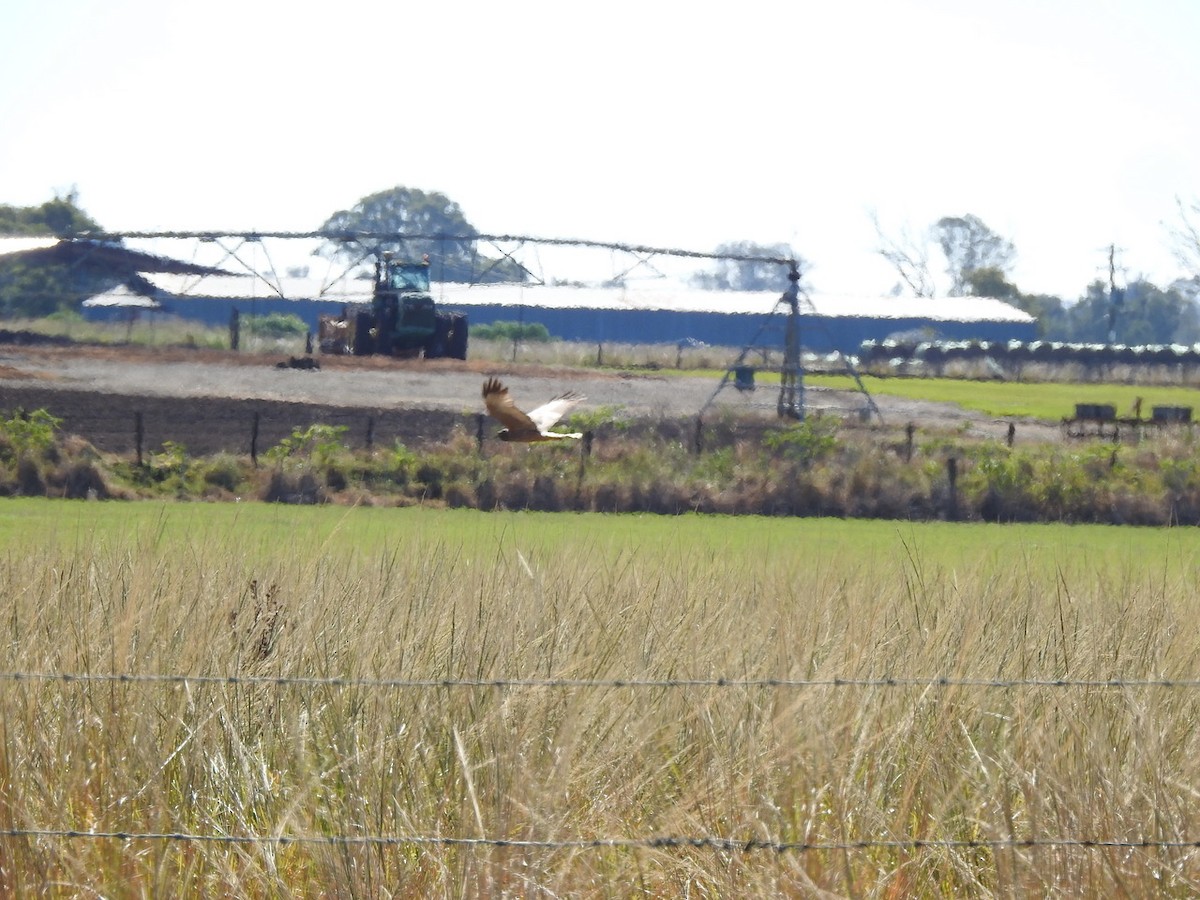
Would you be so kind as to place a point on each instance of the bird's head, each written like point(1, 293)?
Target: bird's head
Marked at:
point(504, 434)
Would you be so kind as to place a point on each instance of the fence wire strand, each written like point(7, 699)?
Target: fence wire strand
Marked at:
point(670, 842)
point(709, 842)
point(596, 683)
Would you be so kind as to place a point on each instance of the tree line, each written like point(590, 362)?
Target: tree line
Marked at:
point(977, 262)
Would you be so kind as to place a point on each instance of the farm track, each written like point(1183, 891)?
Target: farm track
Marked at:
point(210, 400)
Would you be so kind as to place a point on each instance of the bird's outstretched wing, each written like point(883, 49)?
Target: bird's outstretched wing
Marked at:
point(500, 406)
point(550, 412)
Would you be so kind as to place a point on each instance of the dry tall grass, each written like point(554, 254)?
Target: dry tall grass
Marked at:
point(829, 765)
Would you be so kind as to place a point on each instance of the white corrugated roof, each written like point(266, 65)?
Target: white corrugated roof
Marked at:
point(248, 287)
point(639, 296)
point(122, 296)
point(938, 309)
point(652, 296)
point(689, 299)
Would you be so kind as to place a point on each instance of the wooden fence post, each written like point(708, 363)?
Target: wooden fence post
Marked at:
point(139, 433)
point(909, 430)
point(952, 474)
point(254, 440)
point(585, 450)
point(370, 432)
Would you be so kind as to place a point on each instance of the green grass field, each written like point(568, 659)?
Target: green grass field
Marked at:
point(272, 655)
point(1019, 399)
point(1041, 400)
point(268, 529)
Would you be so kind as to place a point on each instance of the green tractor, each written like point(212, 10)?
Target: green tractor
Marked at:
point(403, 319)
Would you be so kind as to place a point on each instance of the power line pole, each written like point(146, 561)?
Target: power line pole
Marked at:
point(1116, 296)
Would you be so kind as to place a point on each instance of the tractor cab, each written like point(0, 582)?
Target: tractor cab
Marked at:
point(405, 316)
point(405, 277)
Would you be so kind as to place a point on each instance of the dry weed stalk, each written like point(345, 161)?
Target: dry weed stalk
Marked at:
point(833, 765)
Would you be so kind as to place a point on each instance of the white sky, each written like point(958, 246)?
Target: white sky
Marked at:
point(1065, 126)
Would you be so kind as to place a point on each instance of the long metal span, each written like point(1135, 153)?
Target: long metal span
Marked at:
point(351, 236)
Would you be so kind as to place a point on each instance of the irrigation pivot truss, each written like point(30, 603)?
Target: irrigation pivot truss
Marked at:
point(363, 245)
point(520, 253)
point(400, 237)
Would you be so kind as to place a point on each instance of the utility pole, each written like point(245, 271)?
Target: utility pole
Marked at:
point(791, 380)
point(1116, 296)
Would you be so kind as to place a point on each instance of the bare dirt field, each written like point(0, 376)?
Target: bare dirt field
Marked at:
point(210, 401)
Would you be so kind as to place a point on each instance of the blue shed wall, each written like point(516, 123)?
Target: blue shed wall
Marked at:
point(626, 326)
point(632, 326)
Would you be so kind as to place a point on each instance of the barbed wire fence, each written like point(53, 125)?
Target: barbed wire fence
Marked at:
point(726, 845)
point(557, 683)
point(716, 843)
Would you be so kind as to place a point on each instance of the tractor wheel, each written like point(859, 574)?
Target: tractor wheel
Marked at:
point(456, 344)
point(435, 347)
point(364, 342)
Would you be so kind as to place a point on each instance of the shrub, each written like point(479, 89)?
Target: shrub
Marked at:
point(319, 444)
point(299, 489)
point(29, 478)
point(80, 481)
point(485, 494)
point(593, 420)
point(806, 442)
point(30, 432)
point(460, 494)
point(402, 462)
point(275, 325)
point(517, 332)
point(223, 472)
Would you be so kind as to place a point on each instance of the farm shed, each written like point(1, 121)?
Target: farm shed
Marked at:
point(651, 312)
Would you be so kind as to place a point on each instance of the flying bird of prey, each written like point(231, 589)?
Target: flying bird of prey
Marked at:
point(527, 427)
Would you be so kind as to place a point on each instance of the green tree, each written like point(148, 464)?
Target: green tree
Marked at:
point(990, 281)
point(1144, 314)
point(745, 269)
point(38, 286)
point(417, 223)
point(969, 245)
point(966, 243)
point(1050, 312)
point(61, 217)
